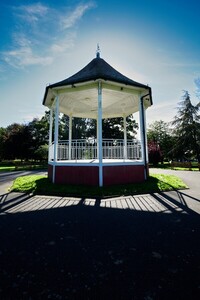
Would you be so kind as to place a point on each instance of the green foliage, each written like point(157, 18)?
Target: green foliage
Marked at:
point(39, 134)
point(26, 183)
point(22, 166)
point(2, 142)
point(113, 128)
point(187, 130)
point(42, 153)
point(15, 142)
point(169, 182)
point(159, 134)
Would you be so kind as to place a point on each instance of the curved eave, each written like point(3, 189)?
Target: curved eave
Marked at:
point(126, 81)
point(52, 90)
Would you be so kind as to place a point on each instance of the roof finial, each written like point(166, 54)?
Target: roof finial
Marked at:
point(98, 51)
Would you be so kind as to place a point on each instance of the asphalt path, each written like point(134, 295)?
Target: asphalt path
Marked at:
point(190, 196)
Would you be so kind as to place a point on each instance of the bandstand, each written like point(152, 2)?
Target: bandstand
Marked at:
point(97, 91)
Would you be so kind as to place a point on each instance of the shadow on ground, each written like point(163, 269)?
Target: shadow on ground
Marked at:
point(83, 252)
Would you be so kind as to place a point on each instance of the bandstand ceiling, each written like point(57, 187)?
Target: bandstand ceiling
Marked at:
point(78, 94)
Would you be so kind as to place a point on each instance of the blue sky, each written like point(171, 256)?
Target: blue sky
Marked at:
point(151, 41)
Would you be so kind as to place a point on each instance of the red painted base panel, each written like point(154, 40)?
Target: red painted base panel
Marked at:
point(122, 174)
point(86, 175)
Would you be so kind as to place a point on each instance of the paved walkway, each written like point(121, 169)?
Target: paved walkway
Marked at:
point(15, 203)
point(191, 196)
point(184, 200)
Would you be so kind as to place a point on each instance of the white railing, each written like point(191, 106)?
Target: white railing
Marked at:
point(87, 149)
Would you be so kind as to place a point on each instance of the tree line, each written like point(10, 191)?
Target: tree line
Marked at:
point(177, 140)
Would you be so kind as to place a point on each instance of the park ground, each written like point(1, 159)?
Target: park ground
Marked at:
point(104, 252)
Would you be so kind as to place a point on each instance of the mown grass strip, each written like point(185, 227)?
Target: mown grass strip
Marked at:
point(39, 184)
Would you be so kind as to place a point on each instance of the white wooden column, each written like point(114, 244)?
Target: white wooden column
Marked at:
point(56, 135)
point(141, 127)
point(70, 137)
point(99, 132)
point(50, 133)
point(125, 138)
point(143, 134)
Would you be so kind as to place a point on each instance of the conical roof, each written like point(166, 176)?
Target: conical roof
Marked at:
point(98, 68)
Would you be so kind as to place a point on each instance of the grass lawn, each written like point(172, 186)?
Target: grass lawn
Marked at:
point(39, 184)
point(18, 165)
point(6, 168)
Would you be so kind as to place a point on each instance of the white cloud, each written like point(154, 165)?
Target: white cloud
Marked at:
point(24, 56)
point(36, 9)
point(61, 45)
point(32, 43)
point(32, 13)
point(20, 40)
point(70, 20)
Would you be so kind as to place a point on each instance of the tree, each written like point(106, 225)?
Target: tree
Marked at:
point(38, 134)
point(41, 153)
point(154, 152)
point(2, 142)
point(187, 129)
point(79, 128)
point(21, 141)
point(159, 135)
point(39, 130)
point(16, 142)
point(113, 128)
